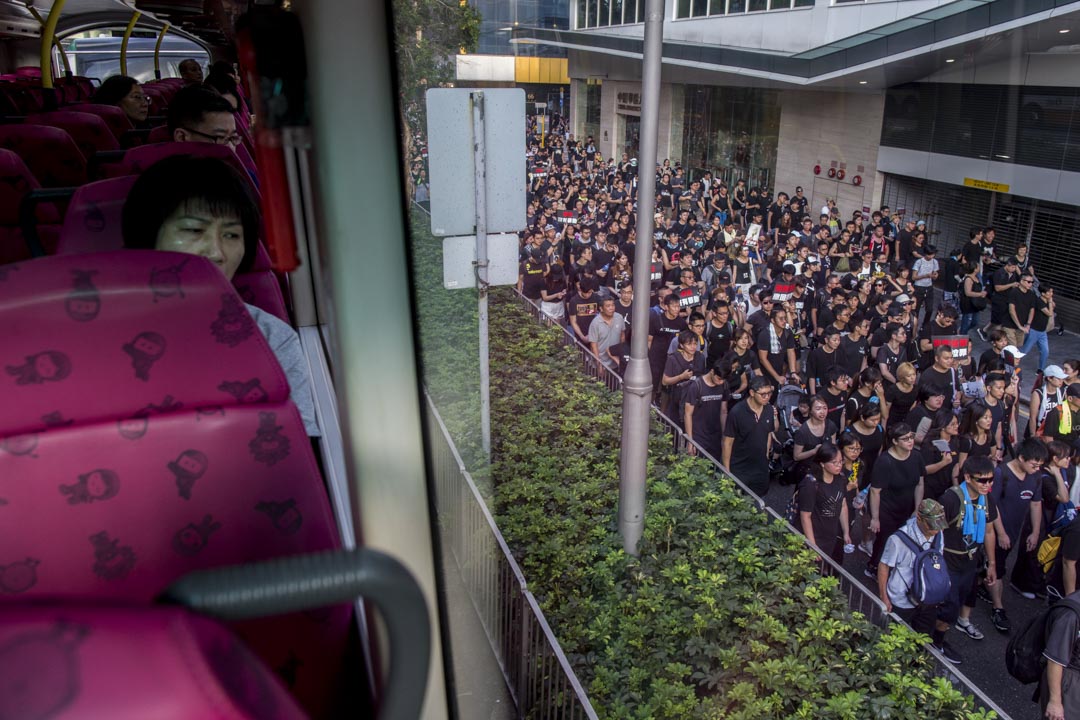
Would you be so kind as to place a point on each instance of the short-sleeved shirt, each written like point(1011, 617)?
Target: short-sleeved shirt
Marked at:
point(891, 360)
point(898, 555)
point(1014, 496)
point(1024, 300)
point(1063, 637)
point(852, 353)
point(824, 502)
point(897, 480)
point(708, 403)
point(818, 361)
point(605, 334)
point(786, 342)
point(900, 403)
point(584, 309)
point(751, 437)
point(960, 549)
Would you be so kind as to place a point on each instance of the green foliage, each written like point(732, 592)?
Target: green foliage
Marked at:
point(427, 36)
point(724, 614)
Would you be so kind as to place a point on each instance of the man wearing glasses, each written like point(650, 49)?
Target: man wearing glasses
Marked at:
point(971, 514)
point(748, 437)
point(197, 114)
point(1021, 310)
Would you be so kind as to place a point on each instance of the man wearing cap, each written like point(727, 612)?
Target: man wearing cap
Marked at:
point(1021, 303)
point(1063, 422)
point(896, 574)
point(923, 274)
point(1046, 398)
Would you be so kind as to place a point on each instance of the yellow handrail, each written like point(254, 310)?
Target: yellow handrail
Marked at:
point(123, 45)
point(157, 51)
point(56, 41)
point(48, 32)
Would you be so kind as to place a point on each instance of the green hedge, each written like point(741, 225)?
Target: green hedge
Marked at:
point(723, 616)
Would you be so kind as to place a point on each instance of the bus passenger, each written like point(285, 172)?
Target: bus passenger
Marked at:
point(125, 93)
point(201, 206)
point(199, 114)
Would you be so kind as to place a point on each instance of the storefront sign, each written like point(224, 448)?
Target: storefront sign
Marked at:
point(986, 185)
point(628, 102)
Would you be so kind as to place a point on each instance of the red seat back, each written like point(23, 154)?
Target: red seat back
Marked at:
point(88, 131)
point(146, 432)
point(16, 181)
point(159, 134)
point(49, 152)
point(137, 159)
point(114, 117)
point(131, 663)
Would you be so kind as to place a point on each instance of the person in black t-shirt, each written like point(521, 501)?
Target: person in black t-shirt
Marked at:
point(748, 436)
point(1004, 279)
point(969, 538)
point(854, 348)
point(823, 514)
point(776, 350)
point(896, 488)
point(662, 328)
point(1022, 301)
point(942, 376)
point(531, 275)
point(705, 408)
point(943, 323)
point(822, 358)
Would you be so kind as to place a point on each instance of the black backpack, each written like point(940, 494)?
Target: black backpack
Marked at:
point(1024, 653)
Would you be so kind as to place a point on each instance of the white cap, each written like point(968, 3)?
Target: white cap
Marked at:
point(812, 259)
point(1054, 371)
point(903, 298)
point(1014, 351)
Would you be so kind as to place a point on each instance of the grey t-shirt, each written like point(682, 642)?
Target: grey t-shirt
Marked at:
point(285, 343)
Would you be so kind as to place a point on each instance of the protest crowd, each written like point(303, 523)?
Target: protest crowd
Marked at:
point(809, 347)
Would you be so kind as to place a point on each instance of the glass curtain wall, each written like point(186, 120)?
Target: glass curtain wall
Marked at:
point(732, 132)
point(592, 109)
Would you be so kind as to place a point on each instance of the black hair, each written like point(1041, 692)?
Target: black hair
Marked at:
point(978, 465)
point(826, 452)
point(223, 85)
point(171, 183)
point(928, 391)
point(113, 90)
point(868, 411)
point(1033, 448)
point(898, 431)
point(191, 104)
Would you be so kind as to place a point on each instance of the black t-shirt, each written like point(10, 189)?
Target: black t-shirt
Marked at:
point(961, 550)
point(1042, 320)
point(897, 480)
point(836, 403)
point(944, 381)
point(940, 481)
point(778, 360)
point(719, 341)
point(751, 436)
point(1001, 277)
point(1024, 301)
point(532, 279)
point(890, 359)
point(852, 353)
point(708, 401)
point(871, 446)
point(823, 501)
point(740, 365)
point(805, 436)
point(584, 309)
point(1014, 496)
point(972, 253)
point(662, 329)
point(818, 361)
point(1068, 550)
point(900, 402)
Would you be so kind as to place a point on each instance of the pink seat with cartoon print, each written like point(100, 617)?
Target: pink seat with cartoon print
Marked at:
point(146, 431)
point(125, 663)
point(93, 224)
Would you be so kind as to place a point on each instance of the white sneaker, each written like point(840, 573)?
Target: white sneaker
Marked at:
point(867, 547)
point(969, 629)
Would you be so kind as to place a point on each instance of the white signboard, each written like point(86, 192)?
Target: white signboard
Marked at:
point(459, 261)
point(451, 160)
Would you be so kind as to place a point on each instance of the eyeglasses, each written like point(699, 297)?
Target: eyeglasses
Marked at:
point(140, 98)
point(231, 139)
point(764, 393)
point(906, 438)
point(1026, 281)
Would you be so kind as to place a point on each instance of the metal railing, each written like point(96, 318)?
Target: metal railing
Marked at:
point(539, 677)
point(860, 598)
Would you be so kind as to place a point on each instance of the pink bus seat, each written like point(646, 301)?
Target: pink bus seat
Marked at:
point(49, 152)
point(137, 159)
point(146, 431)
point(16, 181)
point(93, 224)
point(88, 131)
point(159, 134)
point(244, 155)
point(28, 72)
point(21, 98)
point(114, 117)
point(64, 661)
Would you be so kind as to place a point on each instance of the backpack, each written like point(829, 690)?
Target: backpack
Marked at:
point(930, 576)
point(791, 513)
point(1024, 653)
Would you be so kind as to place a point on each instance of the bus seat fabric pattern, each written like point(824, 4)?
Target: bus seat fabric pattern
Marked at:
point(115, 118)
point(146, 432)
point(49, 152)
point(88, 131)
point(137, 159)
point(16, 181)
point(93, 223)
point(61, 661)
